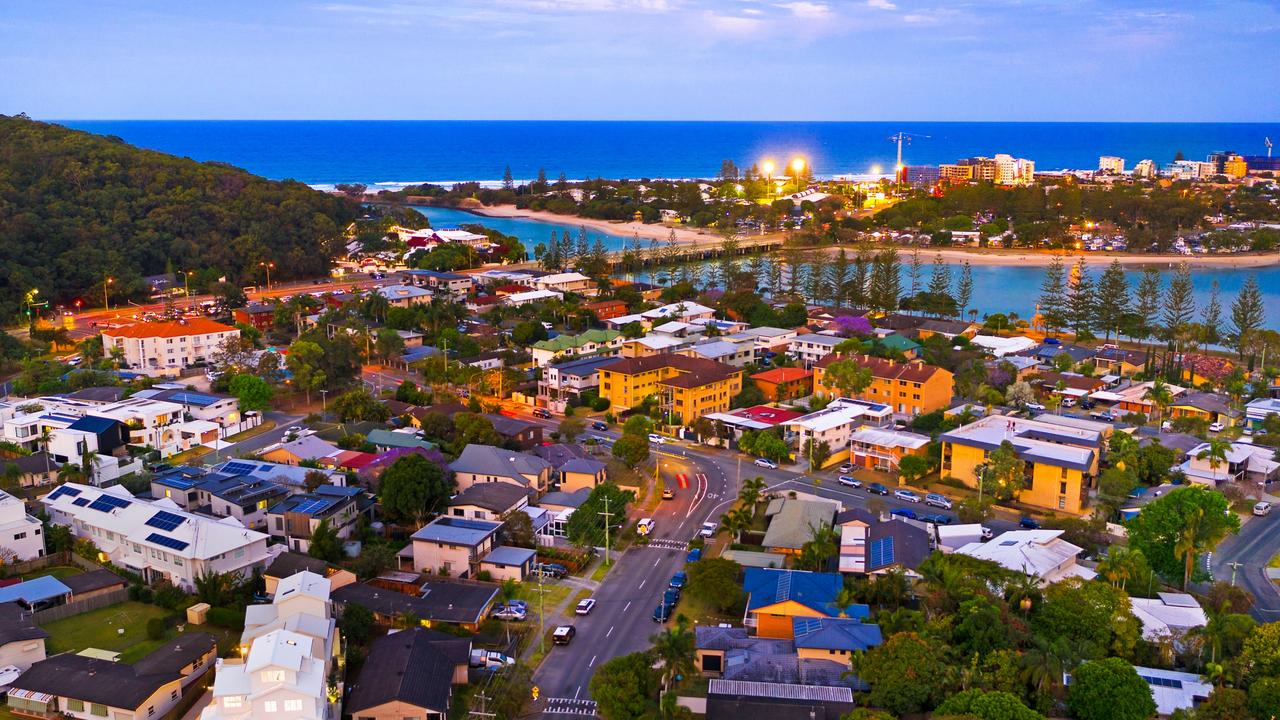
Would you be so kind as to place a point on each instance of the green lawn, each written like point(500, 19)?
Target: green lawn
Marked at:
point(100, 629)
point(57, 571)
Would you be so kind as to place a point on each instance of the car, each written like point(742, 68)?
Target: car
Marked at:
point(936, 519)
point(1262, 508)
point(552, 570)
point(644, 526)
point(907, 513)
point(662, 613)
point(563, 634)
point(1087, 404)
point(519, 603)
point(1216, 427)
point(851, 482)
point(694, 555)
point(671, 596)
point(490, 659)
point(294, 430)
point(599, 425)
point(906, 495)
point(937, 500)
point(585, 606)
point(73, 361)
point(987, 533)
point(678, 580)
point(1035, 406)
point(846, 468)
point(157, 468)
point(667, 494)
point(1029, 523)
point(1068, 402)
point(766, 463)
point(508, 612)
point(877, 488)
point(708, 530)
point(656, 439)
point(543, 413)
point(1103, 416)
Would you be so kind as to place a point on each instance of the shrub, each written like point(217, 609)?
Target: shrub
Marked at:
point(568, 411)
point(484, 576)
point(156, 628)
point(600, 404)
point(169, 597)
point(226, 617)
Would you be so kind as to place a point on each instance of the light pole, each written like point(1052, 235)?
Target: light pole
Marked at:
point(186, 286)
point(797, 168)
point(106, 283)
point(324, 404)
point(768, 167)
point(268, 266)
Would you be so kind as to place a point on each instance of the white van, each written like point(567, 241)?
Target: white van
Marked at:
point(645, 526)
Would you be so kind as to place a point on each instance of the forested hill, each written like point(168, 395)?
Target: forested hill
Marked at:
point(77, 207)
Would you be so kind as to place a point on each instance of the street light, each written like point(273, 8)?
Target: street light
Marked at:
point(106, 283)
point(268, 266)
point(797, 168)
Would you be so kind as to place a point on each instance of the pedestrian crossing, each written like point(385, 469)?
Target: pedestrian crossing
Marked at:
point(663, 544)
point(570, 706)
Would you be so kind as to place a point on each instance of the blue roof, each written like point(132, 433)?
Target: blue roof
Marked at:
point(816, 591)
point(418, 353)
point(45, 587)
point(510, 556)
point(338, 491)
point(835, 633)
point(456, 530)
point(585, 366)
point(94, 424)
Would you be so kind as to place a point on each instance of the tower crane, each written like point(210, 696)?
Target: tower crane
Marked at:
point(899, 138)
point(1267, 141)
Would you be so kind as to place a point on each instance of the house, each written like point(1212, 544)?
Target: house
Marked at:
point(570, 379)
point(1244, 462)
point(775, 596)
point(782, 384)
point(1060, 461)
point(280, 676)
point(1041, 554)
point(1172, 690)
point(1133, 398)
point(167, 347)
point(730, 353)
point(1113, 360)
point(409, 674)
point(606, 309)
point(301, 604)
point(1047, 354)
point(685, 311)
point(486, 464)
point(308, 448)
point(1068, 385)
point(1257, 412)
point(20, 534)
point(1002, 347)
point(451, 546)
point(21, 640)
point(293, 477)
point(836, 423)
point(756, 417)
point(777, 701)
point(566, 282)
point(590, 342)
point(1209, 407)
point(455, 286)
point(246, 499)
point(288, 564)
point(871, 545)
point(439, 600)
point(391, 439)
point(946, 328)
point(488, 501)
point(87, 687)
point(38, 593)
point(827, 638)
point(258, 315)
point(522, 434)
point(210, 406)
point(900, 344)
point(35, 470)
point(156, 539)
point(531, 296)
point(882, 448)
point(687, 388)
point(403, 296)
point(792, 522)
point(812, 347)
point(491, 360)
point(730, 653)
point(296, 518)
point(582, 474)
point(1168, 615)
point(910, 388)
point(508, 563)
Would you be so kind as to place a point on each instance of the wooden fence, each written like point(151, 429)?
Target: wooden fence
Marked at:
point(75, 607)
point(65, 557)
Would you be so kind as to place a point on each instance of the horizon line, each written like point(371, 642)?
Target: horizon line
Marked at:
point(624, 120)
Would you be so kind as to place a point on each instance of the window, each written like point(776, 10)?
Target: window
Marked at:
point(19, 536)
point(293, 705)
point(75, 705)
point(98, 709)
point(232, 701)
point(1062, 488)
point(1062, 502)
point(272, 676)
point(269, 706)
point(173, 695)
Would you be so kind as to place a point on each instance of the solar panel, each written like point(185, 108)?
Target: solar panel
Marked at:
point(81, 502)
point(107, 503)
point(167, 541)
point(881, 552)
point(194, 398)
point(165, 520)
point(63, 490)
point(239, 468)
point(1162, 682)
point(312, 506)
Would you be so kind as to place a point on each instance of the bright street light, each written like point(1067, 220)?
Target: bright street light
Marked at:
point(768, 168)
point(797, 166)
point(875, 169)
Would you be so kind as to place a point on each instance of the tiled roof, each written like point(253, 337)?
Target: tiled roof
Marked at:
point(886, 369)
point(169, 329)
point(783, 375)
point(706, 370)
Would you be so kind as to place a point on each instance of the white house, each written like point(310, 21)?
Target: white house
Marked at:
point(20, 536)
point(531, 296)
point(1042, 554)
point(811, 348)
point(167, 347)
point(278, 679)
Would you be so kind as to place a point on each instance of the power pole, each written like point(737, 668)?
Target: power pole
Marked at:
point(606, 514)
point(1234, 567)
point(542, 617)
point(481, 713)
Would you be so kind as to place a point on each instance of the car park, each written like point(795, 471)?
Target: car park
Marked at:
point(907, 513)
point(877, 489)
point(563, 635)
point(678, 580)
point(766, 463)
point(708, 530)
point(1029, 523)
point(849, 481)
point(694, 555)
point(490, 659)
point(585, 606)
point(938, 500)
point(1262, 508)
point(906, 495)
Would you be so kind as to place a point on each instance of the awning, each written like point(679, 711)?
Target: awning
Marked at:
point(1106, 396)
point(30, 695)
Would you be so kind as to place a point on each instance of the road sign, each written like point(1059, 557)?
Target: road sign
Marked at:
point(535, 692)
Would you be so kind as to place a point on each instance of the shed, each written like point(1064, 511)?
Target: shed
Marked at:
point(196, 613)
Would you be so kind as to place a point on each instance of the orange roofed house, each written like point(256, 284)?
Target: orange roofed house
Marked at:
point(167, 347)
point(911, 388)
point(686, 387)
point(785, 383)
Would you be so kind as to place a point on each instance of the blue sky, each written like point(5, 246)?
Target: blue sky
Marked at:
point(1121, 60)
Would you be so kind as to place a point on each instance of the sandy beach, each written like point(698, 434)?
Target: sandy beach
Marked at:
point(644, 231)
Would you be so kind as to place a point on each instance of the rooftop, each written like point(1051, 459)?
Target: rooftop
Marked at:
point(169, 329)
point(456, 530)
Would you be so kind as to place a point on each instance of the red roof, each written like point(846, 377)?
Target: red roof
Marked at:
point(768, 414)
point(170, 328)
point(783, 375)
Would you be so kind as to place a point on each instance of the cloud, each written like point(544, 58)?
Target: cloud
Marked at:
point(733, 24)
point(881, 5)
point(807, 10)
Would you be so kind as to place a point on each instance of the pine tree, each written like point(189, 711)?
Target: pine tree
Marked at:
point(861, 275)
point(1081, 302)
point(541, 182)
point(964, 289)
point(815, 281)
point(838, 279)
point(1247, 314)
point(583, 248)
point(1179, 306)
point(940, 280)
point(508, 183)
point(1147, 303)
point(1053, 301)
point(774, 276)
point(917, 266)
point(756, 267)
point(1211, 316)
point(886, 280)
point(1113, 299)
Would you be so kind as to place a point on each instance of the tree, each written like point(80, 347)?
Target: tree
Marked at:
point(626, 687)
point(1179, 306)
point(750, 396)
point(1211, 316)
point(414, 488)
point(252, 391)
point(1260, 656)
point(714, 581)
point(1224, 703)
point(905, 673)
point(1004, 472)
point(585, 527)
point(1113, 299)
point(356, 623)
point(305, 360)
point(637, 425)
point(388, 343)
point(1020, 393)
point(818, 453)
point(1109, 689)
point(1053, 301)
point(1160, 396)
point(1172, 531)
point(912, 468)
point(528, 333)
point(631, 449)
point(1094, 618)
point(518, 527)
point(570, 428)
point(1248, 314)
point(1264, 697)
point(1081, 301)
point(987, 706)
point(964, 288)
point(1147, 302)
point(847, 377)
point(816, 554)
point(325, 543)
point(359, 405)
point(1215, 452)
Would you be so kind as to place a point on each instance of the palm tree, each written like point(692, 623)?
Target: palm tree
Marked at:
point(1216, 453)
point(675, 648)
point(1187, 544)
point(12, 475)
point(89, 462)
point(752, 489)
point(1160, 396)
point(70, 472)
point(735, 522)
point(1044, 664)
point(46, 434)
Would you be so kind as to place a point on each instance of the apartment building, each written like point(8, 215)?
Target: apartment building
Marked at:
point(590, 342)
point(571, 379)
point(167, 347)
point(813, 347)
point(20, 535)
point(910, 388)
point(686, 387)
point(836, 423)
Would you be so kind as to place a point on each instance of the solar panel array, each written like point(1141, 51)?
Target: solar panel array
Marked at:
point(80, 502)
point(165, 520)
point(881, 552)
point(1162, 682)
point(239, 468)
point(107, 503)
point(312, 507)
point(193, 398)
point(63, 490)
point(166, 541)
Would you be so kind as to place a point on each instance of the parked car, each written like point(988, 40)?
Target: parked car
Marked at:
point(662, 613)
point(1262, 508)
point(1035, 406)
point(1029, 523)
point(543, 413)
point(508, 612)
point(552, 570)
point(599, 425)
point(656, 439)
point(766, 463)
point(849, 481)
point(678, 580)
point(644, 526)
point(694, 555)
point(877, 488)
point(708, 530)
point(1103, 416)
point(846, 468)
point(563, 634)
point(490, 659)
point(936, 519)
point(938, 500)
point(585, 606)
point(906, 495)
point(1216, 427)
point(671, 596)
point(907, 513)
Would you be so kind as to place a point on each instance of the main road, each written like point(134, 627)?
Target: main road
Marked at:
point(1243, 559)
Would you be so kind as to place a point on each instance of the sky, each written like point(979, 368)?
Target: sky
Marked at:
point(1013, 60)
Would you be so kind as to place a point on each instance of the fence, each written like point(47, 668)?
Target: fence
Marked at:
point(65, 557)
point(62, 612)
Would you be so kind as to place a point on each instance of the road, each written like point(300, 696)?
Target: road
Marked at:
point(1253, 548)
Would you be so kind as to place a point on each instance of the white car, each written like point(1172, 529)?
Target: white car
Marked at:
point(656, 439)
point(1216, 427)
point(1262, 508)
point(1035, 406)
point(849, 482)
point(845, 468)
point(585, 607)
point(906, 495)
point(708, 530)
point(490, 659)
point(766, 463)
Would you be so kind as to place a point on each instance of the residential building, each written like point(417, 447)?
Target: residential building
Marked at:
point(307, 448)
point(1133, 398)
point(836, 423)
point(454, 286)
point(156, 539)
point(566, 282)
point(488, 501)
point(1060, 461)
point(20, 534)
point(1144, 170)
point(871, 545)
point(792, 522)
point(531, 296)
point(1206, 406)
point(1001, 347)
point(293, 477)
point(730, 653)
point(287, 564)
point(403, 296)
point(827, 638)
point(280, 677)
point(812, 347)
point(21, 640)
point(774, 597)
point(582, 474)
point(883, 448)
point(258, 315)
point(505, 562)
point(730, 353)
point(405, 438)
point(758, 417)
point(462, 603)
point(685, 311)
point(167, 347)
point(1244, 462)
point(451, 546)
point(1041, 554)
point(295, 518)
point(79, 686)
point(1257, 411)
point(687, 388)
point(35, 470)
point(1173, 690)
point(1168, 616)
point(569, 380)
point(1110, 165)
point(656, 344)
point(782, 384)
point(590, 342)
point(606, 309)
point(910, 388)
point(409, 674)
point(522, 434)
point(1112, 360)
point(210, 406)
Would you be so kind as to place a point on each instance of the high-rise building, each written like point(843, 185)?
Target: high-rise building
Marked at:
point(956, 172)
point(1002, 169)
point(1145, 169)
point(1111, 165)
point(1235, 167)
point(922, 175)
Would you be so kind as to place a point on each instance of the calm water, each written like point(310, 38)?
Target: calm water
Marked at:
point(326, 152)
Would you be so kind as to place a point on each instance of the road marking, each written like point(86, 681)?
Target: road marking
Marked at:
point(627, 606)
point(611, 628)
point(577, 692)
point(640, 588)
point(593, 662)
point(655, 562)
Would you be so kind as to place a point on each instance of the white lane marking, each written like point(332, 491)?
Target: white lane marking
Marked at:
point(655, 562)
point(593, 662)
point(577, 692)
point(610, 631)
point(627, 606)
point(642, 584)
